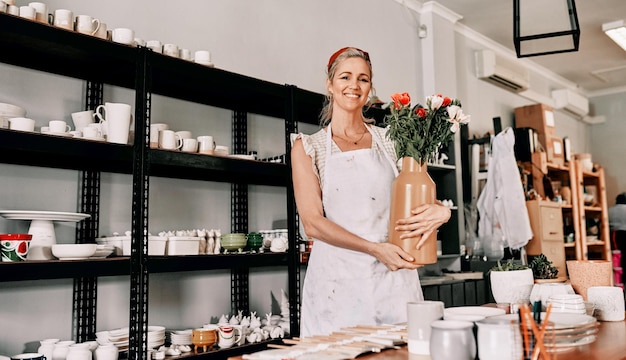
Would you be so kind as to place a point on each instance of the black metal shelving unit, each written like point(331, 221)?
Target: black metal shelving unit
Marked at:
point(48, 49)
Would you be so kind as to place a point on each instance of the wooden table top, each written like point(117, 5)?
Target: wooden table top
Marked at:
point(610, 345)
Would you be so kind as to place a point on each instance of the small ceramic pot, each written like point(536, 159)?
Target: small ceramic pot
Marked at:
point(586, 273)
point(204, 338)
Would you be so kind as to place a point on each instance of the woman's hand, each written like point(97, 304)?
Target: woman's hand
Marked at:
point(423, 221)
point(393, 256)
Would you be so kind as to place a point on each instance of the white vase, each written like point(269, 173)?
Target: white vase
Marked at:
point(511, 287)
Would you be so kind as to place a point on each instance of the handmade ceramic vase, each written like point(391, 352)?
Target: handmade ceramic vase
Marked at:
point(412, 187)
point(511, 287)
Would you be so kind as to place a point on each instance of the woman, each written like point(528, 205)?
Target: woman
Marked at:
point(342, 179)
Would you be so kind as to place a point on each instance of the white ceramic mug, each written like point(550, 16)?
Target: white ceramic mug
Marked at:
point(3, 7)
point(82, 119)
point(155, 130)
point(190, 145)
point(102, 32)
point(206, 144)
point(92, 132)
point(452, 340)
point(22, 124)
point(64, 19)
point(499, 339)
point(85, 24)
point(227, 336)
point(58, 126)
point(123, 36)
point(170, 50)
point(28, 12)
point(155, 45)
point(116, 123)
point(184, 54)
point(202, 57)
point(168, 140)
point(13, 10)
point(420, 315)
point(184, 134)
point(41, 11)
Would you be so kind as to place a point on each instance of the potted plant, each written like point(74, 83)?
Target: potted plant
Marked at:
point(511, 282)
point(543, 270)
point(547, 282)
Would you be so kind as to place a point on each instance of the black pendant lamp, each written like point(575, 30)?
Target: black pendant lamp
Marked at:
point(543, 27)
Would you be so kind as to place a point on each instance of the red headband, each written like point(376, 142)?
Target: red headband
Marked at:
point(334, 56)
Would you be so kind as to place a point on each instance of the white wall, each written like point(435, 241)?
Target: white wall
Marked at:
point(282, 41)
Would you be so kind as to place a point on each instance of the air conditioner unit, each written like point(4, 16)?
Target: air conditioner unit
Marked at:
point(570, 101)
point(501, 72)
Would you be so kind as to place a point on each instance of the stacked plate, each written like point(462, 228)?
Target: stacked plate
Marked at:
point(570, 331)
point(567, 303)
point(117, 337)
point(180, 337)
point(8, 111)
point(156, 336)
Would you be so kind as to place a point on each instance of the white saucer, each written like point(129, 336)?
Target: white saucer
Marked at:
point(58, 134)
point(93, 138)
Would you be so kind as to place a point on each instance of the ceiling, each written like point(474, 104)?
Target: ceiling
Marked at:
point(597, 53)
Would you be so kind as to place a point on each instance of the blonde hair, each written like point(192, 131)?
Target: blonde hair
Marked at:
point(327, 110)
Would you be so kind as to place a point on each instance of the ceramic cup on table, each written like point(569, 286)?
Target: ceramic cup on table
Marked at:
point(58, 126)
point(184, 54)
point(184, 134)
point(189, 145)
point(22, 124)
point(206, 144)
point(115, 119)
point(102, 32)
point(452, 340)
point(155, 131)
point(155, 45)
point(169, 140)
point(123, 36)
point(3, 7)
point(64, 19)
point(82, 119)
point(227, 336)
point(13, 10)
point(86, 24)
point(420, 316)
point(41, 11)
point(170, 50)
point(28, 12)
point(499, 338)
point(91, 132)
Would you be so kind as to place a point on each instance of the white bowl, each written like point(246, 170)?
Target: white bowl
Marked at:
point(9, 109)
point(73, 251)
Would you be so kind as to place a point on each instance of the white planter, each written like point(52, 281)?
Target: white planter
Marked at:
point(511, 287)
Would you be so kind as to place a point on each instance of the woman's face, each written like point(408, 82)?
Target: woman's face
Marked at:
point(351, 84)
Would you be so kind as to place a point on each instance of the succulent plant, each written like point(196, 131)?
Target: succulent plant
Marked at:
point(509, 265)
point(543, 268)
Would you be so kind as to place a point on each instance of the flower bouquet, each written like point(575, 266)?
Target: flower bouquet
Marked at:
point(418, 133)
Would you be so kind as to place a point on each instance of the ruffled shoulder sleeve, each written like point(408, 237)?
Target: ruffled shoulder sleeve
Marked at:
point(313, 147)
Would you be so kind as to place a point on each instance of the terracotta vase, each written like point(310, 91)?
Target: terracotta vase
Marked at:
point(587, 273)
point(411, 188)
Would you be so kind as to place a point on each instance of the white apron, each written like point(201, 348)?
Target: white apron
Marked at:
point(344, 288)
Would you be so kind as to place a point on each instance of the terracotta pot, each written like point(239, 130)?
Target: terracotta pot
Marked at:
point(203, 338)
point(586, 273)
point(411, 188)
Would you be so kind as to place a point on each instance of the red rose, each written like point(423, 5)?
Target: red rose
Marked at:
point(401, 100)
point(446, 101)
point(421, 112)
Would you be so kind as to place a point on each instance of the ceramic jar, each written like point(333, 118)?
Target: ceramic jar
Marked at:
point(452, 340)
point(511, 287)
point(61, 349)
point(586, 273)
point(47, 347)
point(106, 352)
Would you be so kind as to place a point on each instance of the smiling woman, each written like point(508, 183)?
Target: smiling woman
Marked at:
point(342, 177)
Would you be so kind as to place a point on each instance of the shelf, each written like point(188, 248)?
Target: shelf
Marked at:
point(176, 164)
point(63, 269)
point(17, 147)
point(569, 245)
point(162, 264)
point(25, 43)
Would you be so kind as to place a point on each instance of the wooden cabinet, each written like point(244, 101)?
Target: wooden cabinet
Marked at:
point(594, 240)
point(546, 220)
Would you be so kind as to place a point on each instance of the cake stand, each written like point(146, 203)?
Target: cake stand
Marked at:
point(42, 229)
